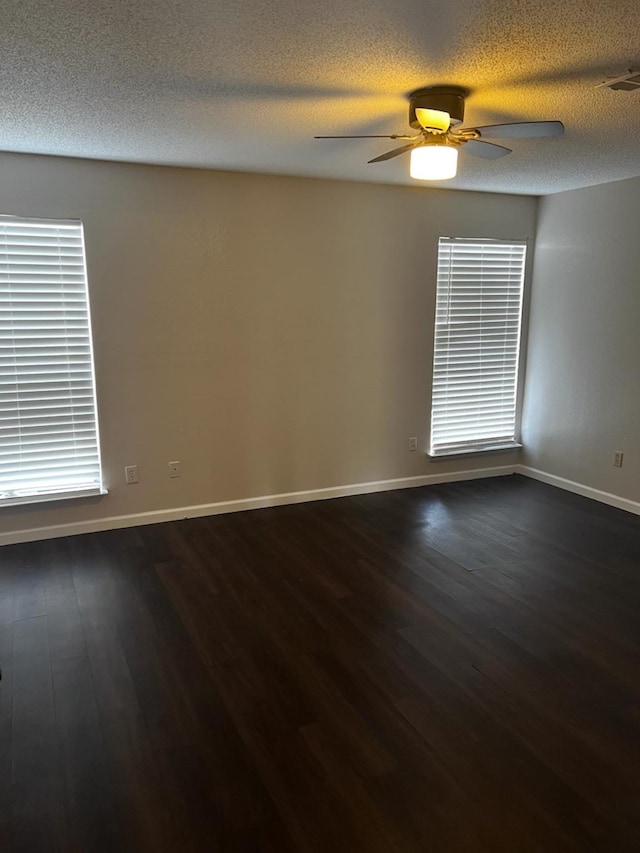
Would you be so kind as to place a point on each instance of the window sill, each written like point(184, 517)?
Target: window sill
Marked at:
point(475, 451)
point(25, 500)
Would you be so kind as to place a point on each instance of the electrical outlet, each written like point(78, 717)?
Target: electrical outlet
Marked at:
point(131, 474)
point(617, 459)
point(413, 443)
point(174, 469)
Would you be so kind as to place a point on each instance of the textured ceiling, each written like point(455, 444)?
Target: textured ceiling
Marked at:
point(245, 84)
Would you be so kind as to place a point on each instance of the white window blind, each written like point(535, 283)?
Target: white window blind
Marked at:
point(48, 424)
point(477, 345)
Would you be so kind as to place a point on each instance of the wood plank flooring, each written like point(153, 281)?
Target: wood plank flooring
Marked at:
point(452, 668)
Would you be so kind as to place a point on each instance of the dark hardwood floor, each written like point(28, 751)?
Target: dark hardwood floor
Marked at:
point(453, 668)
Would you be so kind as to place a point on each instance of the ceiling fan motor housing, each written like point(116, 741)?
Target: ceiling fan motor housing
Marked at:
point(446, 99)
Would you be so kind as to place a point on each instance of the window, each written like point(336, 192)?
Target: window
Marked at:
point(477, 345)
point(48, 424)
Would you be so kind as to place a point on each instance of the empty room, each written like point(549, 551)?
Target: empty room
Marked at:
point(319, 426)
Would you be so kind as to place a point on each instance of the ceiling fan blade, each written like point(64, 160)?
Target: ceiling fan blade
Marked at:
point(369, 136)
point(395, 153)
point(521, 129)
point(486, 150)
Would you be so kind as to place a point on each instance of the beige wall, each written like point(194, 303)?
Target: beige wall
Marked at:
point(582, 397)
point(273, 334)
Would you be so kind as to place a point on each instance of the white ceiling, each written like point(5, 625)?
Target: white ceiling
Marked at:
point(245, 84)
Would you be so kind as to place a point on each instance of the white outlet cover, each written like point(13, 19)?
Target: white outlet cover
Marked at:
point(131, 474)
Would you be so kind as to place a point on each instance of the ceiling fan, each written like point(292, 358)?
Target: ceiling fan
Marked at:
point(436, 113)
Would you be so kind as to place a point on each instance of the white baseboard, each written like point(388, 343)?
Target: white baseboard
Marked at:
point(155, 517)
point(579, 489)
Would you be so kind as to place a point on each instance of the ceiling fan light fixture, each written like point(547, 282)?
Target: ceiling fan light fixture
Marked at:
point(436, 113)
point(434, 162)
point(437, 121)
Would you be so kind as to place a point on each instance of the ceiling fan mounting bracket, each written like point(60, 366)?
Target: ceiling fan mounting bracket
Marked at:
point(465, 133)
point(448, 99)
